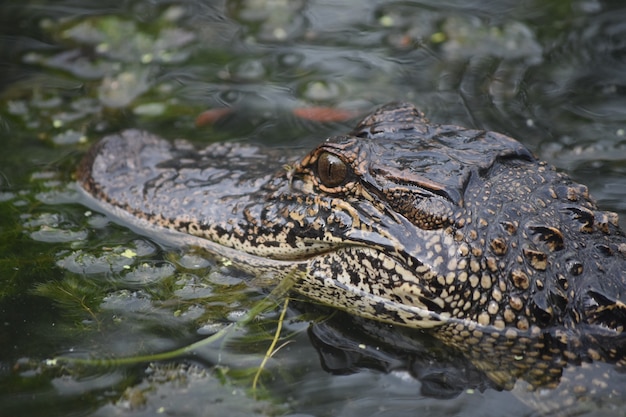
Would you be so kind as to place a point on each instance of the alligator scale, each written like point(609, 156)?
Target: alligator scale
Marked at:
point(459, 231)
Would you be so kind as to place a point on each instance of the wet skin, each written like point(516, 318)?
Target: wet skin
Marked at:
point(459, 231)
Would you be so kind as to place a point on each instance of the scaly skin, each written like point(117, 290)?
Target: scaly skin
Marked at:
point(427, 226)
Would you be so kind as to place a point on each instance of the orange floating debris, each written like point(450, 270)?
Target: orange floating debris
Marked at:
point(209, 117)
point(324, 114)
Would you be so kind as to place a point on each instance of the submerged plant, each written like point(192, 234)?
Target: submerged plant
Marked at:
point(71, 294)
point(77, 297)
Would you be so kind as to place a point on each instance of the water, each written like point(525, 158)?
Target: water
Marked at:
point(549, 73)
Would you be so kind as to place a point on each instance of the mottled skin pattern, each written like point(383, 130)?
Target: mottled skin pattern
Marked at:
point(427, 226)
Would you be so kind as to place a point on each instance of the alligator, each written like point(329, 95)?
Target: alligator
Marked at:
point(461, 233)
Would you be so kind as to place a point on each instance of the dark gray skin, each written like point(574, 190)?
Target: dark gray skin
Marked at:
point(459, 231)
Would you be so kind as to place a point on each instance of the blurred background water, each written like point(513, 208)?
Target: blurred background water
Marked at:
point(550, 73)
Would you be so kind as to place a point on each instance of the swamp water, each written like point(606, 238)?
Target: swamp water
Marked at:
point(73, 284)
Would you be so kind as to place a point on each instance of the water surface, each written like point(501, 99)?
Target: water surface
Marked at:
point(550, 73)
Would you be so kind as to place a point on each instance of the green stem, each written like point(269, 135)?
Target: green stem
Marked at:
point(270, 350)
point(268, 302)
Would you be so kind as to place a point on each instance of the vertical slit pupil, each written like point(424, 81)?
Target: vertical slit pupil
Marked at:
point(331, 169)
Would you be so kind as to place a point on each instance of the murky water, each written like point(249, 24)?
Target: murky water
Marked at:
point(72, 284)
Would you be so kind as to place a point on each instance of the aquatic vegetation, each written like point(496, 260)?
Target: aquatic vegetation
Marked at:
point(287, 74)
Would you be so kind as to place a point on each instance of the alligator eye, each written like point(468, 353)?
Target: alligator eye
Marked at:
point(331, 169)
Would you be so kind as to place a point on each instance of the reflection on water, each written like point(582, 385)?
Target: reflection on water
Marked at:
point(548, 73)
